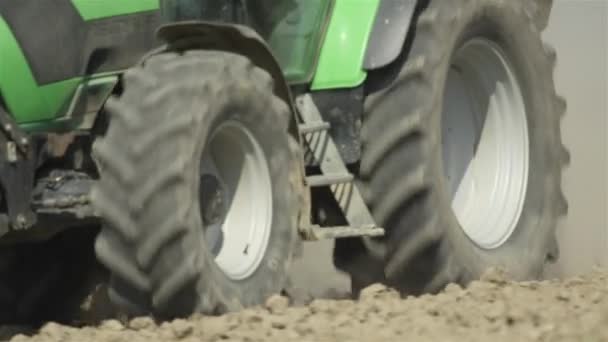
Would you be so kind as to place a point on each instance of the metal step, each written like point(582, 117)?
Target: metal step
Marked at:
point(324, 150)
point(316, 233)
point(329, 179)
point(314, 126)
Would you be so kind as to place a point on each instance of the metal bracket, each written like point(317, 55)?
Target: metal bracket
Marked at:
point(64, 192)
point(335, 175)
point(12, 132)
point(316, 233)
point(17, 167)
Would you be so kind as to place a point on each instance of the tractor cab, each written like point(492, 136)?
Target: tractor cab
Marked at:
point(293, 29)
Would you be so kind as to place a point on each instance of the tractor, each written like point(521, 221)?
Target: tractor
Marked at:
point(186, 148)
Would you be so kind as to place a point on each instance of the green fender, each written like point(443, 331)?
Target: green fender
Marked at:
point(29, 102)
point(343, 51)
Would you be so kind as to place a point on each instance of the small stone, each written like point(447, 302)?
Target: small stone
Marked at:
point(112, 324)
point(277, 304)
point(181, 328)
point(141, 323)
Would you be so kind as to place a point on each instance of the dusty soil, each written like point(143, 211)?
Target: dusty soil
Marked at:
point(491, 309)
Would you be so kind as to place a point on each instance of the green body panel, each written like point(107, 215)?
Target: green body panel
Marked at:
point(26, 100)
point(95, 9)
point(318, 41)
point(101, 86)
point(343, 51)
point(296, 39)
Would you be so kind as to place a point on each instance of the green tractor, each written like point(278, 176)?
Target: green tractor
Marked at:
point(208, 138)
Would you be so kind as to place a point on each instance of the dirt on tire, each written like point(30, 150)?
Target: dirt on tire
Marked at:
point(493, 308)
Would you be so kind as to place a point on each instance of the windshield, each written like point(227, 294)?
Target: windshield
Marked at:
point(292, 28)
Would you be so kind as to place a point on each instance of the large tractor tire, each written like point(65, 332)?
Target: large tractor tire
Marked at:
point(462, 155)
point(199, 186)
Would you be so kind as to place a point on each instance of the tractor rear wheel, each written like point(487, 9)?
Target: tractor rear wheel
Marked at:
point(462, 155)
point(198, 186)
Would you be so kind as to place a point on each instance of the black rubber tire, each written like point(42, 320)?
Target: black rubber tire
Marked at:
point(148, 193)
point(401, 171)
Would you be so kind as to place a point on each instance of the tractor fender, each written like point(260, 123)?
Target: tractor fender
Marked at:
point(186, 35)
point(390, 30)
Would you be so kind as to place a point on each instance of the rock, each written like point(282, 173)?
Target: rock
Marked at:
point(277, 304)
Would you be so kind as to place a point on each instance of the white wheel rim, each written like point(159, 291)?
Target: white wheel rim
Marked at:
point(240, 237)
point(485, 143)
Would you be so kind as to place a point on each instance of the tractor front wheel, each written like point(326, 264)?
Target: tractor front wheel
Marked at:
point(197, 186)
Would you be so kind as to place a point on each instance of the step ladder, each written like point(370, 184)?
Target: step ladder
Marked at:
point(322, 149)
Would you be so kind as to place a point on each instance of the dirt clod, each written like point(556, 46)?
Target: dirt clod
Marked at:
point(277, 304)
point(141, 323)
point(112, 324)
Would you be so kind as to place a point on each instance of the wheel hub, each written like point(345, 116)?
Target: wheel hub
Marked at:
point(213, 200)
point(485, 143)
point(235, 200)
